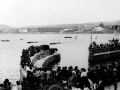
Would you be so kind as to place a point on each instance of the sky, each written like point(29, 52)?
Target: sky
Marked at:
point(19, 13)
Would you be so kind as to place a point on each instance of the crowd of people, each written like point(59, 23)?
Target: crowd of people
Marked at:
point(113, 44)
point(7, 85)
point(96, 78)
point(31, 51)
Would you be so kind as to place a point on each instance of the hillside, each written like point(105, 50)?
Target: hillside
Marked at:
point(5, 27)
point(90, 24)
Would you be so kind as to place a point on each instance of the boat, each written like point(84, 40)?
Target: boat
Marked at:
point(21, 39)
point(5, 40)
point(67, 37)
point(104, 53)
point(39, 56)
point(51, 60)
point(53, 43)
point(32, 42)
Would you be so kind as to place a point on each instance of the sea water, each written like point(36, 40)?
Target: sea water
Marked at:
point(74, 51)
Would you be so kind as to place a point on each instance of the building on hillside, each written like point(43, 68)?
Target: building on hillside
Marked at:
point(5, 30)
point(14, 31)
point(79, 31)
point(98, 28)
point(24, 30)
point(67, 29)
point(32, 30)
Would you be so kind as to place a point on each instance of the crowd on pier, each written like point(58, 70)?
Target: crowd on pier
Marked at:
point(95, 78)
point(32, 50)
point(72, 78)
point(113, 44)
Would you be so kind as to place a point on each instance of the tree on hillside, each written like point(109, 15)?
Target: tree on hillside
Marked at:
point(102, 25)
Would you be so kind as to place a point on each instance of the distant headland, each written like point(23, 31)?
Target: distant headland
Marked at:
point(92, 27)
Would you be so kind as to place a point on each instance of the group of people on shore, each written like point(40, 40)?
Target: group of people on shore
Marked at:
point(7, 85)
point(96, 78)
point(113, 44)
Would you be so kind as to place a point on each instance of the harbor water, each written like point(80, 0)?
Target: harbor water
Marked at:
point(74, 51)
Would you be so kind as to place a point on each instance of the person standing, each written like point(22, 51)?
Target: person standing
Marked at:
point(7, 84)
point(74, 80)
point(101, 85)
point(19, 87)
point(48, 75)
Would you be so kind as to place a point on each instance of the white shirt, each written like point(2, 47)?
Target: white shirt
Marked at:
point(19, 87)
point(83, 74)
point(27, 68)
point(14, 88)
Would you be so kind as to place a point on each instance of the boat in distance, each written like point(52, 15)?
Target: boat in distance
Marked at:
point(53, 43)
point(5, 40)
point(32, 42)
point(67, 37)
point(103, 53)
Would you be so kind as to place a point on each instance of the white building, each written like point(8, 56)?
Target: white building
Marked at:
point(67, 29)
point(23, 30)
point(98, 29)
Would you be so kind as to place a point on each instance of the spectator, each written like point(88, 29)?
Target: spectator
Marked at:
point(74, 80)
point(2, 87)
point(19, 87)
point(7, 84)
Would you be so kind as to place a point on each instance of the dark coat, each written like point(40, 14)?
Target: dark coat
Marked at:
point(101, 86)
point(75, 81)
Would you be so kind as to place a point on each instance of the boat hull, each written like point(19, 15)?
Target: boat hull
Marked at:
point(51, 60)
point(102, 58)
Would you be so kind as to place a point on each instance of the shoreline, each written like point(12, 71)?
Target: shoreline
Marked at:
point(62, 33)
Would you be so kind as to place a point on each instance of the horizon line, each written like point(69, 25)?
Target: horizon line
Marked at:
point(60, 24)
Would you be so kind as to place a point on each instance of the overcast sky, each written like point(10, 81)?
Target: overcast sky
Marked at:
point(47, 12)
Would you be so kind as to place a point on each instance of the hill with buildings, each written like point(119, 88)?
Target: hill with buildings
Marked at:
point(95, 27)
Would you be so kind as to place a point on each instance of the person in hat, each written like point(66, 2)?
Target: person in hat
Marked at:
point(7, 84)
point(74, 80)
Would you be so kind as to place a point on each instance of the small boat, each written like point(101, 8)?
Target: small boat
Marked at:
point(33, 42)
point(5, 40)
point(21, 39)
point(54, 43)
point(67, 37)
